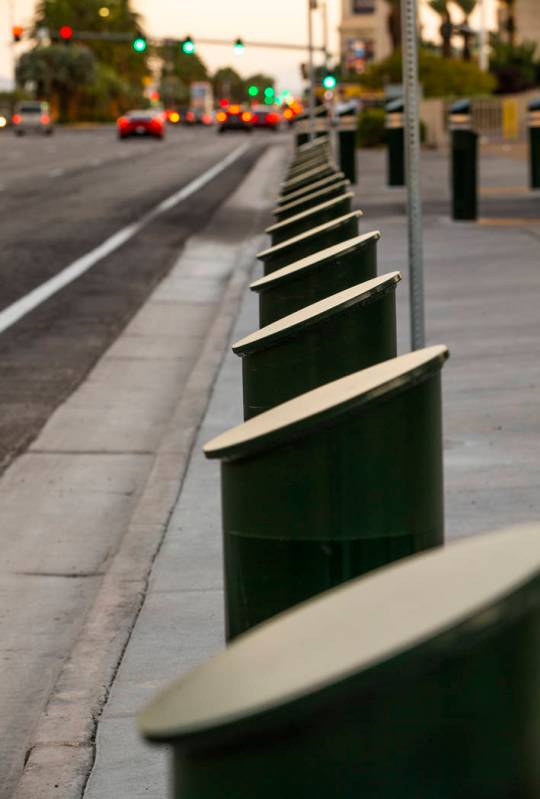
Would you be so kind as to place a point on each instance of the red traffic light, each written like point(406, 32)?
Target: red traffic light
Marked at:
point(66, 32)
point(17, 32)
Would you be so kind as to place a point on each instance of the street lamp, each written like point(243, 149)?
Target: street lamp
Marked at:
point(104, 12)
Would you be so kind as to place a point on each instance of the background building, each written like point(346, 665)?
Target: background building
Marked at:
point(526, 16)
point(363, 33)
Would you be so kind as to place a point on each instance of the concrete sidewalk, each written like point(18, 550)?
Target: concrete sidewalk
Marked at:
point(482, 296)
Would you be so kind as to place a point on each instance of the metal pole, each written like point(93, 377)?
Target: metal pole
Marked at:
point(412, 163)
point(311, 70)
point(483, 61)
point(11, 7)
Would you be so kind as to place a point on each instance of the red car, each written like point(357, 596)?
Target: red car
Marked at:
point(142, 123)
point(264, 117)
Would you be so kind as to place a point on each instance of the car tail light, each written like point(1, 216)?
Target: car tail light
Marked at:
point(16, 119)
point(288, 113)
point(190, 116)
point(234, 109)
point(123, 122)
point(45, 119)
point(174, 117)
point(247, 117)
point(221, 116)
point(206, 119)
point(272, 118)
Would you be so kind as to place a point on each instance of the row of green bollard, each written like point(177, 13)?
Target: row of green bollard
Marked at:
point(416, 680)
point(463, 154)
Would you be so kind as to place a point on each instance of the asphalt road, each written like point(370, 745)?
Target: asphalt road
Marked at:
point(60, 198)
point(64, 511)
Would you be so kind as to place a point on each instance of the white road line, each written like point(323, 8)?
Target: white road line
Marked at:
point(13, 313)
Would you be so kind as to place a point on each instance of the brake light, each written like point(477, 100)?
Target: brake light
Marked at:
point(16, 119)
point(221, 116)
point(288, 114)
point(45, 119)
point(234, 109)
point(174, 117)
point(190, 116)
point(206, 119)
point(247, 117)
point(271, 118)
point(123, 122)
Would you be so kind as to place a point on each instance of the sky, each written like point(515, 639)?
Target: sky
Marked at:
point(215, 19)
point(280, 21)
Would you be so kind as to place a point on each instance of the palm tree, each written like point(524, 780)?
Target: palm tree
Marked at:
point(467, 6)
point(441, 8)
point(394, 23)
point(510, 20)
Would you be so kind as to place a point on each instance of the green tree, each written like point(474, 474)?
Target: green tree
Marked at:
point(178, 71)
point(513, 66)
point(467, 7)
point(440, 77)
point(227, 83)
point(441, 8)
point(83, 15)
point(59, 73)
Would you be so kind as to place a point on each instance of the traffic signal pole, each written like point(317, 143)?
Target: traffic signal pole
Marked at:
point(312, 4)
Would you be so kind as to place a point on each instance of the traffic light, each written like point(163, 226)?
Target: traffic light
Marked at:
point(139, 44)
point(17, 32)
point(239, 47)
point(329, 81)
point(188, 46)
point(253, 91)
point(269, 95)
point(66, 33)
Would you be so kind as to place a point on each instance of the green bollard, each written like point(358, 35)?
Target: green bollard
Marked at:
point(311, 200)
point(420, 682)
point(301, 138)
point(331, 180)
point(534, 143)
point(317, 156)
point(347, 149)
point(331, 484)
point(308, 147)
point(395, 141)
point(320, 275)
point(307, 177)
point(334, 337)
point(464, 163)
point(310, 218)
point(297, 247)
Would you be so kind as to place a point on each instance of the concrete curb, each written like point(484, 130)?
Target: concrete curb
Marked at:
point(63, 749)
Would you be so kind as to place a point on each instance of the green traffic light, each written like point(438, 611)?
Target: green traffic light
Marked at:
point(269, 91)
point(188, 46)
point(329, 82)
point(139, 44)
point(239, 47)
point(253, 91)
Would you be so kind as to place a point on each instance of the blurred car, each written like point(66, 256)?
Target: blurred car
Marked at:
point(148, 122)
point(235, 117)
point(32, 116)
point(173, 116)
point(197, 116)
point(265, 117)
